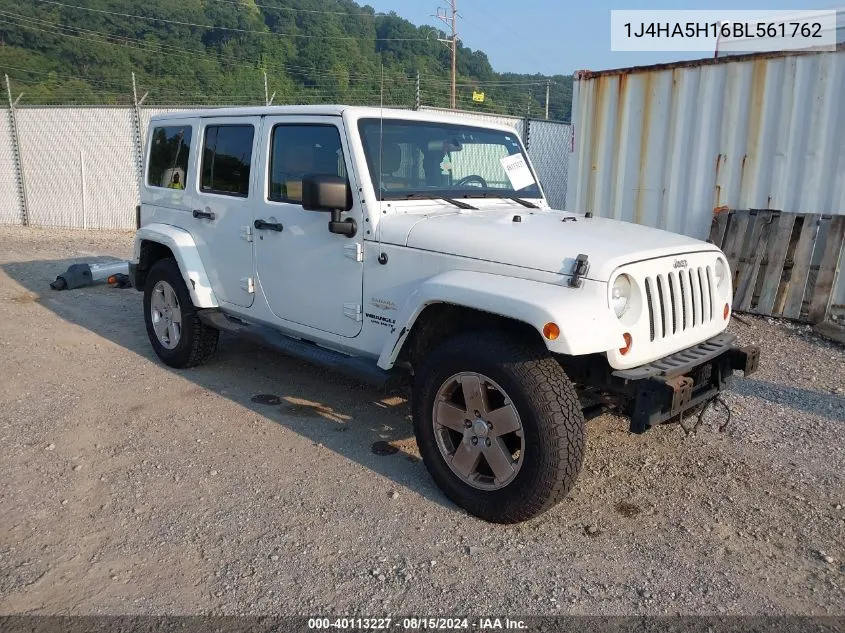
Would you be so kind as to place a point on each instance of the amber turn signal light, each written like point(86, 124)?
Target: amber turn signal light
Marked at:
point(551, 331)
point(726, 311)
point(628, 341)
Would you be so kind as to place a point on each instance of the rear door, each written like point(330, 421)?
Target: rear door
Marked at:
point(221, 192)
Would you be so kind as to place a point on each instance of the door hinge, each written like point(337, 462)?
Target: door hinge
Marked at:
point(353, 311)
point(248, 284)
point(355, 252)
point(246, 233)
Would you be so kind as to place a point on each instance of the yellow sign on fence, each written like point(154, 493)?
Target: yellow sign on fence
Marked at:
point(477, 96)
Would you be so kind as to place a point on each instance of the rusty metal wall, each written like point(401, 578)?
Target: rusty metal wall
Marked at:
point(665, 145)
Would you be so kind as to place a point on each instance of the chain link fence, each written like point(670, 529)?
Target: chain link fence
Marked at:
point(548, 144)
point(10, 202)
point(77, 167)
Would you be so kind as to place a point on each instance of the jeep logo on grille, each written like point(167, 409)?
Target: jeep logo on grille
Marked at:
point(680, 263)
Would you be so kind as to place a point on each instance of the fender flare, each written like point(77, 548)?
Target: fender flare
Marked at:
point(181, 243)
point(585, 325)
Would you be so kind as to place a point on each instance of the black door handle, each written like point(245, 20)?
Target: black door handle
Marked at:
point(204, 215)
point(261, 225)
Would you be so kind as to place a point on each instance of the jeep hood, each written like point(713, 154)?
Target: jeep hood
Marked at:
point(540, 239)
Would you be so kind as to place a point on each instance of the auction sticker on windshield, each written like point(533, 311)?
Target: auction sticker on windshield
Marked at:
point(517, 171)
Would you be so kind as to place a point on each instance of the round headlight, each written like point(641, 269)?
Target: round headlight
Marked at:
point(720, 272)
point(620, 294)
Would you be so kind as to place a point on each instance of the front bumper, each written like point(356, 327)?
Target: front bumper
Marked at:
point(672, 385)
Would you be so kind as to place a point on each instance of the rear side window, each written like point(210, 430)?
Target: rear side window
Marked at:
point(226, 159)
point(298, 150)
point(170, 149)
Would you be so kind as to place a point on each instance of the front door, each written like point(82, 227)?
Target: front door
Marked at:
point(310, 276)
point(220, 201)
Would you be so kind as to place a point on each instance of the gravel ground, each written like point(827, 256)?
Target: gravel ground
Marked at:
point(129, 488)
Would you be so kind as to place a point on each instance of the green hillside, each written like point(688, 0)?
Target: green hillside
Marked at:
point(217, 51)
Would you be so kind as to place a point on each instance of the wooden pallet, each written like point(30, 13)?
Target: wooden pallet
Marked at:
point(771, 256)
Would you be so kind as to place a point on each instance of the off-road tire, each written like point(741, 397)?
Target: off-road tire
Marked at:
point(198, 341)
point(550, 412)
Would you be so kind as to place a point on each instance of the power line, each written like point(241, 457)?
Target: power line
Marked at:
point(213, 27)
point(166, 49)
point(294, 9)
point(401, 93)
point(472, 83)
point(90, 80)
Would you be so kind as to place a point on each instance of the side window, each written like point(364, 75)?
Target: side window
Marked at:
point(226, 158)
point(170, 149)
point(297, 150)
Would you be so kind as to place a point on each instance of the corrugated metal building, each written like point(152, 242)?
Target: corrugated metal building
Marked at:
point(665, 145)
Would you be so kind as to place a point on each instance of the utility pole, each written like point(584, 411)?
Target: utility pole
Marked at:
point(548, 83)
point(452, 42)
point(417, 95)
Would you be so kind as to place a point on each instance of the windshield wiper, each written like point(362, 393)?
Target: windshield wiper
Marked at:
point(490, 194)
point(425, 196)
point(524, 203)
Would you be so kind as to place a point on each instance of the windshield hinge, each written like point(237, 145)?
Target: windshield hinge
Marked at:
point(579, 269)
point(355, 252)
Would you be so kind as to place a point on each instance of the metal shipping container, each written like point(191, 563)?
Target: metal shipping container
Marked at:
point(665, 145)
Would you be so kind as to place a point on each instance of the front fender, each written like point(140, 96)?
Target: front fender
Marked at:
point(582, 314)
point(181, 244)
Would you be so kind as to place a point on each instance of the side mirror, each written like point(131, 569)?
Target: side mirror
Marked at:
point(329, 193)
point(325, 193)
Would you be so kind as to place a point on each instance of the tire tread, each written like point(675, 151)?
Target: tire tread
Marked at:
point(202, 338)
point(545, 384)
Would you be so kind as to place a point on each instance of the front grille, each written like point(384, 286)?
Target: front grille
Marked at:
point(679, 300)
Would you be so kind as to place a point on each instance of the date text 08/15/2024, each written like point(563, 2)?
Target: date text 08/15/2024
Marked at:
point(413, 624)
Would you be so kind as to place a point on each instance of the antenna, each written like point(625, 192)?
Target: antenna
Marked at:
point(381, 137)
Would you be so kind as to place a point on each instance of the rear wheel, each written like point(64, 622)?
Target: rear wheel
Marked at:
point(499, 426)
point(177, 335)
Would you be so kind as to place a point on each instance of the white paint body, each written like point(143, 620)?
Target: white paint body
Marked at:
point(332, 290)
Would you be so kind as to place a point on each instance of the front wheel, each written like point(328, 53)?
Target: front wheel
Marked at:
point(498, 425)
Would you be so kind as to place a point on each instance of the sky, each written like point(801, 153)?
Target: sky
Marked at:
point(561, 36)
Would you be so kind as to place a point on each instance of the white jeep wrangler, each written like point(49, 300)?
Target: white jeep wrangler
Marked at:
point(386, 243)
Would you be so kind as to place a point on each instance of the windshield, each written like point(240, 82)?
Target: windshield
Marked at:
point(422, 159)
